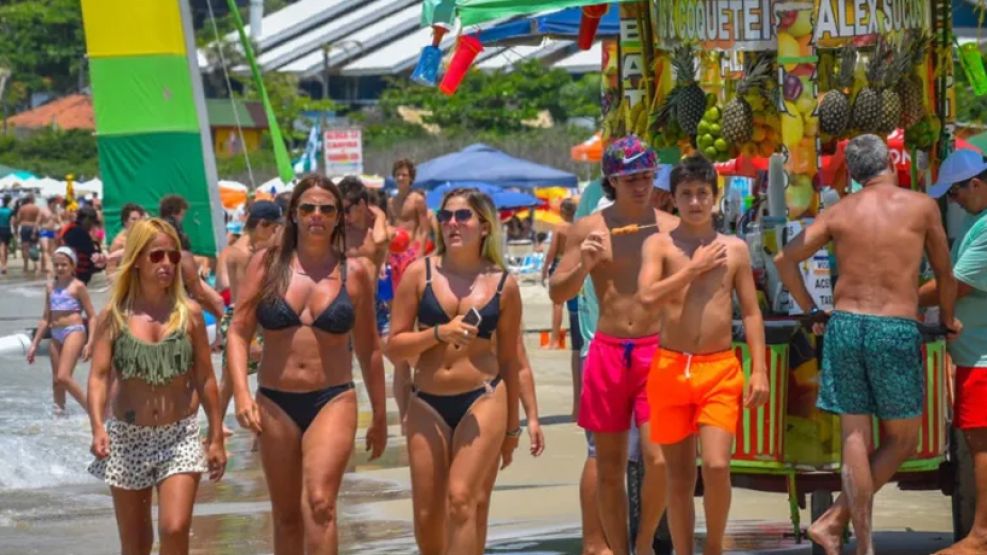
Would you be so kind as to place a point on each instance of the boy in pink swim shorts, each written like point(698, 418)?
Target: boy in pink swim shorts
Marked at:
point(626, 338)
point(614, 381)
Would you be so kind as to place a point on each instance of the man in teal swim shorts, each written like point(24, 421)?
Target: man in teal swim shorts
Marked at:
point(872, 348)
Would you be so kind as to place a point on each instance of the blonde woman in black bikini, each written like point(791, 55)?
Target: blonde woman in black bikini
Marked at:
point(312, 306)
point(155, 339)
point(463, 405)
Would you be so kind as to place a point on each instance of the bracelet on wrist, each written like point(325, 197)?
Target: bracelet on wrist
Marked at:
point(516, 432)
point(435, 332)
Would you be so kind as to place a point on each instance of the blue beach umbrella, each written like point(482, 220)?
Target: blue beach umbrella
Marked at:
point(502, 199)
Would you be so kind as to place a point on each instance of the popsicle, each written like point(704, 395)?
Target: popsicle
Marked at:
point(628, 229)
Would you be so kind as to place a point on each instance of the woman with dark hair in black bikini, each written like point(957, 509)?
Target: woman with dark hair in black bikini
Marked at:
point(463, 405)
point(310, 304)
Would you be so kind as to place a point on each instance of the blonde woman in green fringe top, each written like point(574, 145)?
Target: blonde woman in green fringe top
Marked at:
point(154, 338)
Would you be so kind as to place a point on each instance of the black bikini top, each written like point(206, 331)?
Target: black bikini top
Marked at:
point(337, 318)
point(431, 313)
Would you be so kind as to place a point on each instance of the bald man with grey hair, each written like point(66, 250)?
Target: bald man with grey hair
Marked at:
point(871, 363)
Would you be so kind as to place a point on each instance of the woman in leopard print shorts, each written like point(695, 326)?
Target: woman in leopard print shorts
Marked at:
point(155, 339)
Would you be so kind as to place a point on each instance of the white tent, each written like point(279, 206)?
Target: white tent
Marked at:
point(46, 186)
point(94, 185)
point(8, 181)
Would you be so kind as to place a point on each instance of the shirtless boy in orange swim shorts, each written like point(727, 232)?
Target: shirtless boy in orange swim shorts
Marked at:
point(696, 383)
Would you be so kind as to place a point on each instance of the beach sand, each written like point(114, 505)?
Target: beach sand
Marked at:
point(48, 504)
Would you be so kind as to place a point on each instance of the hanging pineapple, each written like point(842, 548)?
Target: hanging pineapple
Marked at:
point(895, 65)
point(687, 99)
point(867, 107)
point(834, 109)
point(910, 86)
point(738, 115)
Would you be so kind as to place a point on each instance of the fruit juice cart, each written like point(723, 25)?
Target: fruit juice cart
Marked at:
point(742, 86)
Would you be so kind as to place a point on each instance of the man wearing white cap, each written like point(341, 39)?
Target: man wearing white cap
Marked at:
point(871, 364)
point(963, 179)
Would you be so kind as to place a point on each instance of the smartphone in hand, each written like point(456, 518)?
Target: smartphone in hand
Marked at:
point(473, 317)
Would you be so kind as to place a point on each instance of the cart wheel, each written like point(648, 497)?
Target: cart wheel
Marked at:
point(821, 501)
point(964, 491)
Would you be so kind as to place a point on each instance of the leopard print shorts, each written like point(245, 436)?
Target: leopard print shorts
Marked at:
point(142, 456)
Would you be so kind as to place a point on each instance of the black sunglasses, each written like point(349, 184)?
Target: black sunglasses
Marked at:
point(156, 256)
point(308, 209)
point(954, 191)
point(462, 215)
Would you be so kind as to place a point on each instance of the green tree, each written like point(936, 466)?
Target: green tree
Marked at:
point(42, 45)
point(498, 101)
point(52, 153)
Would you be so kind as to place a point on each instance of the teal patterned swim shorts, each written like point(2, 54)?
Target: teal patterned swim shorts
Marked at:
point(872, 365)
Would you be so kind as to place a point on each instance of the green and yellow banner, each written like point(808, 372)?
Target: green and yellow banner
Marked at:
point(151, 125)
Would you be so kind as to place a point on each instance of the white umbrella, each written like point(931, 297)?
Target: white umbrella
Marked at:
point(275, 186)
point(232, 185)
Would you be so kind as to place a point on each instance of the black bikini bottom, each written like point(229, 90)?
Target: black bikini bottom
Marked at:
point(453, 408)
point(304, 407)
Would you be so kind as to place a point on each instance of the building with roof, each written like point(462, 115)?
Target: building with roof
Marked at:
point(236, 126)
point(349, 48)
point(75, 111)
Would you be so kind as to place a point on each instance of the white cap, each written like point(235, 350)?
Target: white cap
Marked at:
point(67, 251)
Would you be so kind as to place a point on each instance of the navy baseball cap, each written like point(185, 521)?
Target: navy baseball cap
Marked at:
point(958, 167)
point(264, 210)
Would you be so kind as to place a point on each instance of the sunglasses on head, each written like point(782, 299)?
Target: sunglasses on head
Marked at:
point(462, 215)
point(268, 223)
point(156, 256)
point(308, 209)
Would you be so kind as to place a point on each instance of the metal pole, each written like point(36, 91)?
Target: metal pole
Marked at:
point(4, 75)
point(256, 17)
point(325, 72)
point(322, 113)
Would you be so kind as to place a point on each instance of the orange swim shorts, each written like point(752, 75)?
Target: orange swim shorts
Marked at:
point(686, 391)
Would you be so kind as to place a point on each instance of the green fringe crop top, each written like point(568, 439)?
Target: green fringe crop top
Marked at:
point(155, 363)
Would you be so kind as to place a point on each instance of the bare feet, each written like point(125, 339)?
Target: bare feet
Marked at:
point(973, 544)
point(827, 535)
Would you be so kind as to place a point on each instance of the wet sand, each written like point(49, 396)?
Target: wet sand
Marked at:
point(535, 507)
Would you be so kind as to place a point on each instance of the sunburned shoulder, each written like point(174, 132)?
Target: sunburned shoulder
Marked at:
point(194, 310)
point(731, 241)
point(666, 221)
point(416, 268)
point(583, 226)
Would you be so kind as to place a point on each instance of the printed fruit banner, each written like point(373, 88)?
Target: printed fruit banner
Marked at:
point(797, 108)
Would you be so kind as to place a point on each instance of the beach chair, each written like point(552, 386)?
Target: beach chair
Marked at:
point(528, 267)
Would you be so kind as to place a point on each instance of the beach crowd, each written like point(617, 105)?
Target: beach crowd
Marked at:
point(333, 272)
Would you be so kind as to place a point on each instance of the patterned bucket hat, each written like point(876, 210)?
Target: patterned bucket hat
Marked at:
point(627, 156)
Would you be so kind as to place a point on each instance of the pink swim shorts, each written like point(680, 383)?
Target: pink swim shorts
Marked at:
point(615, 378)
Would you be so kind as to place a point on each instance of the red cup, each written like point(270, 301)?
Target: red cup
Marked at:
point(401, 241)
point(589, 23)
point(466, 52)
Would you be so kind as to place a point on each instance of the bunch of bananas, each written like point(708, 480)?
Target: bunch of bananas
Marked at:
point(626, 120)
